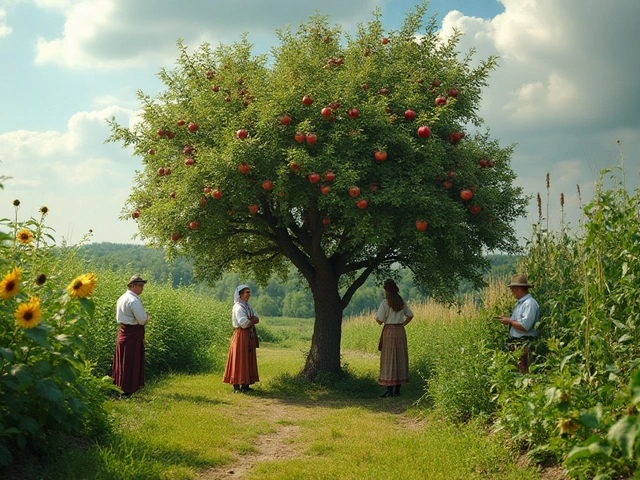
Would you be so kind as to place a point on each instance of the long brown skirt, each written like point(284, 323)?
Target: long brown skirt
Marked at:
point(394, 356)
point(128, 362)
point(242, 363)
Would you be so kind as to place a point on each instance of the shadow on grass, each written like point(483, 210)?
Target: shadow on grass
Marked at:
point(341, 390)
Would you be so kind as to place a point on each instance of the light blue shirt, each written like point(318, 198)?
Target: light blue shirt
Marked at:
point(527, 314)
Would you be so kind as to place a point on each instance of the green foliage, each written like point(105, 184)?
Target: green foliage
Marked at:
point(226, 89)
point(47, 384)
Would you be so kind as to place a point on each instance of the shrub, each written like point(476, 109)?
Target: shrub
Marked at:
point(46, 384)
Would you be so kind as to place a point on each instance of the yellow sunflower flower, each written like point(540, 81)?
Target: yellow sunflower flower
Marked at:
point(82, 286)
point(24, 236)
point(9, 285)
point(28, 314)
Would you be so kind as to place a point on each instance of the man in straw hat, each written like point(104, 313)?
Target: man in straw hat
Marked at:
point(523, 320)
point(128, 361)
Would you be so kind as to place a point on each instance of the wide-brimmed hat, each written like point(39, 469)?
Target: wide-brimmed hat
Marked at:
point(136, 279)
point(390, 286)
point(519, 281)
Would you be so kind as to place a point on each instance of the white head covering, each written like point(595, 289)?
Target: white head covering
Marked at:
point(236, 294)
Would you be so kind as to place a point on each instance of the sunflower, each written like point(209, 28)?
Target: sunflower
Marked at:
point(82, 286)
point(24, 236)
point(9, 284)
point(28, 314)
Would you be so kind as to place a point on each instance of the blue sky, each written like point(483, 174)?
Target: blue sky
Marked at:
point(565, 92)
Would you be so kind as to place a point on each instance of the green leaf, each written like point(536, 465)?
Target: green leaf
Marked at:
point(22, 373)
point(7, 354)
point(49, 390)
point(590, 420)
point(624, 433)
point(38, 335)
point(88, 306)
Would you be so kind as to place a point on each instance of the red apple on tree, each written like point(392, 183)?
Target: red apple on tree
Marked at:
point(161, 132)
point(329, 176)
point(453, 92)
point(466, 194)
point(334, 105)
point(181, 123)
point(193, 127)
point(447, 184)
point(167, 170)
point(441, 100)
point(172, 195)
point(244, 168)
point(362, 204)
point(285, 120)
point(365, 86)
point(267, 185)
point(175, 236)
point(151, 151)
point(354, 191)
point(490, 164)
point(421, 225)
point(215, 88)
point(299, 137)
point(189, 161)
point(326, 221)
point(206, 190)
point(435, 83)
point(253, 208)
point(202, 201)
point(409, 115)
point(324, 189)
point(135, 213)
point(424, 131)
point(161, 172)
point(187, 150)
point(451, 174)
point(483, 163)
point(353, 113)
point(217, 194)
point(295, 167)
point(380, 156)
point(307, 100)
point(384, 40)
point(326, 112)
point(193, 225)
point(314, 178)
point(170, 135)
point(475, 209)
point(227, 99)
point(311, 138)
point(242, 134)
point(383, 91)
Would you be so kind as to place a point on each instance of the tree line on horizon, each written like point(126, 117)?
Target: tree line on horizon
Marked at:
point(290, 298)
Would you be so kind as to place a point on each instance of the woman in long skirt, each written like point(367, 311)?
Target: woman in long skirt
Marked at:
point(394, 314)
point(242, 364)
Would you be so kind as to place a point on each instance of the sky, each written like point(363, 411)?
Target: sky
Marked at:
point(566, 91)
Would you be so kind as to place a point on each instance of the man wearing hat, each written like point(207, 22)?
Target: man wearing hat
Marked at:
point(128, 361)
point(524, 318)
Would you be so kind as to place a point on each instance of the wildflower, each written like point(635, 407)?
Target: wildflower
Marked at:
point(82, 286)
point(40, 279)
point(16, 203)
point(24, 236)
point(9, 284)
point(28, 314)
point(44, 209)
point(567, 426)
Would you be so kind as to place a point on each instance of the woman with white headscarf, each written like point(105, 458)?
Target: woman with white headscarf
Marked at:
point(242, 364)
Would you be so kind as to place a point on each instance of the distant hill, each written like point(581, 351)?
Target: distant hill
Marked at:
point(278, 298)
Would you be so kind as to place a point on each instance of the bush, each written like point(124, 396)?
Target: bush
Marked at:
point(47, 387)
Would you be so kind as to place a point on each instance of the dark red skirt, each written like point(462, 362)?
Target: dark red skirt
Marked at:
point(128, 362)
point(242, 363)
point(394, 356)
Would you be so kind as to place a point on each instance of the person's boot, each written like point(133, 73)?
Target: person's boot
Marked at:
point(236, 389)
point(397, 392)
point(388, 393)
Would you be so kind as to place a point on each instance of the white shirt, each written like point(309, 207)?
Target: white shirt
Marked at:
point(389, 317)
point(240, 315)
point(129, 310)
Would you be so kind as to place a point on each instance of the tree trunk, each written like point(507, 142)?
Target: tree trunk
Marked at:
point(324, 355)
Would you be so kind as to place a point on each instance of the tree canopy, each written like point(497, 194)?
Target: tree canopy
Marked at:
point(340, 154)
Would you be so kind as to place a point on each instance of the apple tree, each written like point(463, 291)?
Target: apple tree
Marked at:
point(340, 154)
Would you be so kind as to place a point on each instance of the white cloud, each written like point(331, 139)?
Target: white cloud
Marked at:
point(5, 30)
point(109, 34)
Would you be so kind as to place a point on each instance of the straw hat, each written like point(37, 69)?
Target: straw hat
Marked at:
point(520, 280)
point(136, 279)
